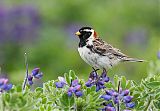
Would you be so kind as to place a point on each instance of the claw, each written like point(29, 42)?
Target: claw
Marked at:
point(95, 70)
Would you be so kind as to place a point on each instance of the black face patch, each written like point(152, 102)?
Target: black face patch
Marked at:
point(83, 38)
point(84, 35)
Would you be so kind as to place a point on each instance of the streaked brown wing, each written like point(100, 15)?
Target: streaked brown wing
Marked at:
point(103, 49)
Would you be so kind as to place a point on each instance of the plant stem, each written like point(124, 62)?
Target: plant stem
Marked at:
point(1, 103)
point(149, 102)
point(119, 85)
point(25, 79)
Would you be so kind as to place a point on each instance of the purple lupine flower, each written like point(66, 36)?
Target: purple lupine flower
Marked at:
point(78, 93)
point(74, 82)
point(75, 88)
point(3, 81)
point(38, 76)
point(35, 71)
point(116, 100)
point(94, 79)
point(89, 83)
point(30, 82)
point(69, 93)
point(61, 82)
point(130, 105)
point(4, 86)
point(108, 108)
point(104, 77)
point(125, 92)
point(30, 79)
point(127, 99)
point(118, 97)
point(106, 97)
point(34, 75)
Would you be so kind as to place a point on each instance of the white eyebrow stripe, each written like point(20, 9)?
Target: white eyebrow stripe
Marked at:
point(88, 30)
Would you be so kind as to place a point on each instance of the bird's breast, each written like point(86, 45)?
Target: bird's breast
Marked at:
point(94, 59)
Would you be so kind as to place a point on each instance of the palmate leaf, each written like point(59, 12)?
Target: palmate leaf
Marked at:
point(91, 100)
point(157, 103)
point(15, 100)
point(67, 102)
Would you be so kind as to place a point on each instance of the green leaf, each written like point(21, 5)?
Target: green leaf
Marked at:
point(128, 84)
point(154, 84)
point(72, 75)
point(93, 88)
point(123, 82)
point(44, 100)
point(136, 95)
point(157, 104)
point(67, 101)
point(67, 78)
point(157, 96)
point(116, 81)
point(140, 104)
point(134, 83)
point(109, 85)
point(19, 88)
point(39, 89)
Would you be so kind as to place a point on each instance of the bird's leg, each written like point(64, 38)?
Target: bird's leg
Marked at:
point(104, 71)
point(95, 70)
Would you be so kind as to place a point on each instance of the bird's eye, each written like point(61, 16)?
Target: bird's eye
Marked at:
point(80, 30)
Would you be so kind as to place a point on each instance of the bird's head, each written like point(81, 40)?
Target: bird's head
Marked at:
point(86, 33)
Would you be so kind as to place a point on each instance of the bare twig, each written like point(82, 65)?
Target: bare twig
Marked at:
point(119, 85)
point(25, 79)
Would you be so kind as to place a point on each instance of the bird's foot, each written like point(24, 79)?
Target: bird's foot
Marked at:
point(104, 73)
point(104, 70)
point(95, 70)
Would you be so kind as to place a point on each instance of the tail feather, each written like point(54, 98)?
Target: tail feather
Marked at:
point(132, 60)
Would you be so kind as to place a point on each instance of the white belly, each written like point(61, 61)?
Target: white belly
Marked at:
point(96, 60)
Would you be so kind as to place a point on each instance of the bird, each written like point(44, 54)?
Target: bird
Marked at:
point(98, 53)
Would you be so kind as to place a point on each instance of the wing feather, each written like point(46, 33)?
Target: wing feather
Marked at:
point(103, 48)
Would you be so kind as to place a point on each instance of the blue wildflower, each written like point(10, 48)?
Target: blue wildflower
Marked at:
point(69, 93)
point(75, 88)
point(78, 93)
point(106, 97)
point(118, 97)
point(61, 82)
point(94, 79)
point(35, 74)
point(127, 99)
point(35, 71)
point(4, 86)
point(130, 105)
point(109, 108)
point(125, 92)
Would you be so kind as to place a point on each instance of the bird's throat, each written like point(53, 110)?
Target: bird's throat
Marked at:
point(82, 43)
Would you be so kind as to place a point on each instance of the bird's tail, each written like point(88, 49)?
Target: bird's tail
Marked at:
point(133, 60)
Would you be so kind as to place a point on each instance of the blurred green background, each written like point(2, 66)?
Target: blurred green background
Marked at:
point(45, 31)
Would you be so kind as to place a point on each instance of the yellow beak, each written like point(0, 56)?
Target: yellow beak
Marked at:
point(78, 33)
